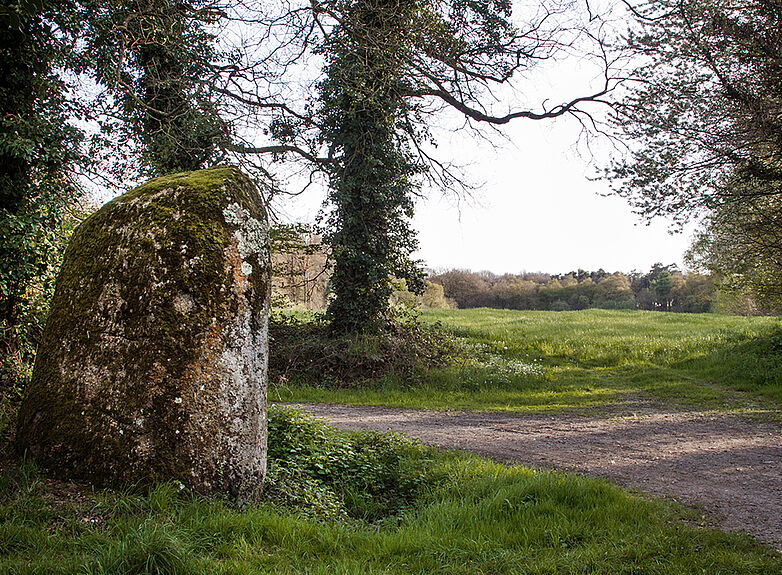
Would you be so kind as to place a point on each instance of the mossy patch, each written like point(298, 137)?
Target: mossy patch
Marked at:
point(150, 289)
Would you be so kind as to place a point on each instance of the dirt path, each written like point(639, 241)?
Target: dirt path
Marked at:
point(731, 466)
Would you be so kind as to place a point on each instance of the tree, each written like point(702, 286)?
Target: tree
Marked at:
point(550, 293)
point(37, 146)
point(463, 287)
point(512, 292)
point(661, 287)
point(154, 57)
point(614, 291)
point(694, 293)
point(389, 62)
point(372, 180)
point(740, 243)
point(433, 297)
point(705, 123)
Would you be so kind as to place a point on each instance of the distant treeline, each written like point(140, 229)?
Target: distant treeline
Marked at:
point(662, 288)
point(301, 275)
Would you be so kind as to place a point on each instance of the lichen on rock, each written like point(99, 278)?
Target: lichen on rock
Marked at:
point(153, 361)
point(252, 236)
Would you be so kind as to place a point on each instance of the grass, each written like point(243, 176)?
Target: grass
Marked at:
point(346, 502)
point(455, 513)
point(594, 360)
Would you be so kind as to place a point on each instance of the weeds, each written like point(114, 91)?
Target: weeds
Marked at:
point(302, 350)
point(337, 474)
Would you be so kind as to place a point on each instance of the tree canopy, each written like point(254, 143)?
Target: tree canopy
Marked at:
point(704, 126)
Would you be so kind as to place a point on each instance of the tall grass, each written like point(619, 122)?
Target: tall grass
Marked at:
point(591, 359)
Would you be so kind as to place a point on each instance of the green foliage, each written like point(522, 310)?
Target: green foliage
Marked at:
point(403, 302)
point(609, 361)
point(363, 105)
point(434, 297)
point(367, 476)
point(304, 350)
point(661, 287)
point(152, 59)
point(37, 146)
point(704, 120)
point(738, 243)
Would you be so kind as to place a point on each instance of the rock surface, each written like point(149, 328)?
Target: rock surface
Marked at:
point(153, 361)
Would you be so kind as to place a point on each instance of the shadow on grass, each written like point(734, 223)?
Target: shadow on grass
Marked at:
point(752, 366)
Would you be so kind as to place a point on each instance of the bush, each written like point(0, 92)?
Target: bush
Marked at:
point(303, 351)
point(333, 474)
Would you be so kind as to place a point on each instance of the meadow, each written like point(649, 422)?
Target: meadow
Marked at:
point(364, 503)
point(346, 502)
point(592, 360)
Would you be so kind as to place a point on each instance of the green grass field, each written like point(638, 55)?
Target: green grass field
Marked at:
point(587, 360)
point(441, 512)
point(349, 503)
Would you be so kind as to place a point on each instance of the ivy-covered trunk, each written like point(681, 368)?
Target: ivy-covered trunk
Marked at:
point(372, 183)
point(163, 52)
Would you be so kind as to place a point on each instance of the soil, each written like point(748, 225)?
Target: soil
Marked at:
point(727, 465)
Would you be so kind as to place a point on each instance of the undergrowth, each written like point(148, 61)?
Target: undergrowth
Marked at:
point(332, 474)
point(302, 350)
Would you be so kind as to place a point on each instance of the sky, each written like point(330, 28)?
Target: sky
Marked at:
point(540, 208)
point(537, 207)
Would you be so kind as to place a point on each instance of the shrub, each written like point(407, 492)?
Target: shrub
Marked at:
point(304, 351)
point(335, 474)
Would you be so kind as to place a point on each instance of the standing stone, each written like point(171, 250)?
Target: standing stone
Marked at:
point(153, 361)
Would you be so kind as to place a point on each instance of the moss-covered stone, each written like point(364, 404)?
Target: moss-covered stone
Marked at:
point(153, 361)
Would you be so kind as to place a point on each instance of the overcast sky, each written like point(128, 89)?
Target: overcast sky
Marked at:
point(540, 209)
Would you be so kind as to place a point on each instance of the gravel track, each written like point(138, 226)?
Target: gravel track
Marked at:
point(729, 465)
